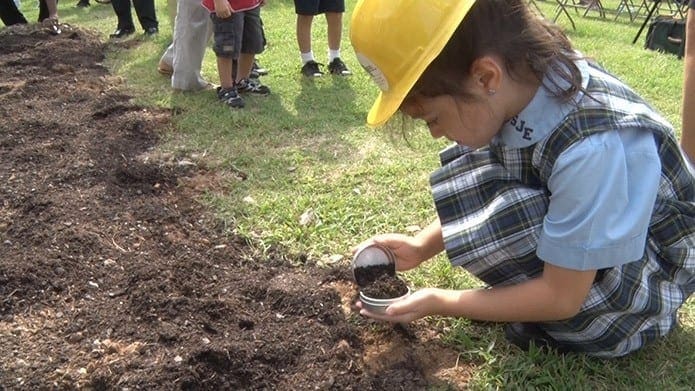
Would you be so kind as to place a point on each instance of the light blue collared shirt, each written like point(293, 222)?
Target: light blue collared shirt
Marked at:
point(603, 188)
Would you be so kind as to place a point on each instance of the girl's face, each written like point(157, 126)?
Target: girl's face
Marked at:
point(470, 122)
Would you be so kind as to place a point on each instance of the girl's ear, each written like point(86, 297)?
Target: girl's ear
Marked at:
point(487, 74)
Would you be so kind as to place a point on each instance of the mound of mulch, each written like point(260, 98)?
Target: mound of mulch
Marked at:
point(112, 276)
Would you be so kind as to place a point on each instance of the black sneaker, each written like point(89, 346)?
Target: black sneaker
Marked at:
point(311, 69)
point(525, 334)
point(230, 97)
point(338, 67)
point(252, 86)
point(258, 69)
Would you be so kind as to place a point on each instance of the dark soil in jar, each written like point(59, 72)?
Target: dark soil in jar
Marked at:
point(366, 275)
point(385, 287)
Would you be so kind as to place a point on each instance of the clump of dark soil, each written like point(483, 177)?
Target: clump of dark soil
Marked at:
point(385, 287)
point(112, 276)
point(367, 275)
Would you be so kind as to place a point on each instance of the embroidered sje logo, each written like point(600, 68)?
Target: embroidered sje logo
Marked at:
point(520, 126)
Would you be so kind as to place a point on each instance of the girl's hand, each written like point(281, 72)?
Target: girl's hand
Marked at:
point(222, 9)
point(406, 249)
point(419, 304)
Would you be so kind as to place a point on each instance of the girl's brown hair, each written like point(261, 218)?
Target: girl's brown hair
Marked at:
point(510, 30)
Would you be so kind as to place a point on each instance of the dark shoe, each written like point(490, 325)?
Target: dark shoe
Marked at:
point(82, 4)
point(150, 31)
point(122, 32)
point(525, 334)
point(311, 69)
point(252, 86)
point(258, 69)
point(338, 67)
point(230, 96)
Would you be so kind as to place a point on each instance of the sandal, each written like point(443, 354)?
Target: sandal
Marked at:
point(165, 69)
point(52, 25)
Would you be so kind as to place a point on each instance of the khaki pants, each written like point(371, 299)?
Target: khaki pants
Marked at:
point(192, 31)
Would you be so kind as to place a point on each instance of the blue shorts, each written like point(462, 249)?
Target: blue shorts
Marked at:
point(240, 33)
point(316, 7)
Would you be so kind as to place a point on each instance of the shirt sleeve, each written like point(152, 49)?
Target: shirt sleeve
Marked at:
point(603, 190)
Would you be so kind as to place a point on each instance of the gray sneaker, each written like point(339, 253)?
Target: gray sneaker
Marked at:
point(252, 86)
point(230, 96)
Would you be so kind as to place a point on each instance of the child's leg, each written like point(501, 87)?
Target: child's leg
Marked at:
point(304, 33)
point(245, 63)
point(250, 30)
point(224, 68)
point(252, 43)
point(226, 49)
point(334, 21)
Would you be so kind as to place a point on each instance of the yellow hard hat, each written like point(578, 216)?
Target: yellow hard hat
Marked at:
point(395, 41)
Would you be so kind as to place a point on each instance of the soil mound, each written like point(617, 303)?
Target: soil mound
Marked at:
point(112, 276)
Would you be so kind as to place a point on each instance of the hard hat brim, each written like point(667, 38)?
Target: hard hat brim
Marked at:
point(390, 99)
point(383, 108)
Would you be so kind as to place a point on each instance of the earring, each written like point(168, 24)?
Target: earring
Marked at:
point(491, 91)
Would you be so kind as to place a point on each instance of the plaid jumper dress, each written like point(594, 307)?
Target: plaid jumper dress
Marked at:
point(491, 203)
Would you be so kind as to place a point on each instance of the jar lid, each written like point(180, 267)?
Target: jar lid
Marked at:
point(372, 261)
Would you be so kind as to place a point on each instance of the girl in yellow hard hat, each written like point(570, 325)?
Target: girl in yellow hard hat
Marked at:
point(565, 192)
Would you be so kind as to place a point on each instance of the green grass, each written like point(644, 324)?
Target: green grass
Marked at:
point(305, 147)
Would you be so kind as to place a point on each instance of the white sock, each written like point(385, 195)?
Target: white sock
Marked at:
point(306, 57)
point(333, 54)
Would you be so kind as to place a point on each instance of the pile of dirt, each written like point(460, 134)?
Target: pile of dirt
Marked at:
point(112, 276)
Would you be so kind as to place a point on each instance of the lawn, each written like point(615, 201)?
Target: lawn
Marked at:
point(305, 151)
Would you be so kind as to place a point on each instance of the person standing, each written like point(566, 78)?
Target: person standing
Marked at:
point(144, 9)
point(10, 13)
point(334, 10)
point(688, 113)
point(249, 28)
point(183, 59)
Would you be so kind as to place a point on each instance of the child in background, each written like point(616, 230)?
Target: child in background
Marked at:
point(249, 26)
point(566, 193)
point(334, 10)
point(231, 37)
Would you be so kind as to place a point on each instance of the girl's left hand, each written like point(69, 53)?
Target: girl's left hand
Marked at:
point(419, 304)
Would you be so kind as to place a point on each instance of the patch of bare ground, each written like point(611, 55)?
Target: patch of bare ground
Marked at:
point(112, 276)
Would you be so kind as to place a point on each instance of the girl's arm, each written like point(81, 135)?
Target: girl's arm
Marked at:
point(430, 240)
point(557, 294)
point(688, 128)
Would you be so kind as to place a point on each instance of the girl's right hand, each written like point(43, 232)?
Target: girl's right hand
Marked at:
point(407, 249)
